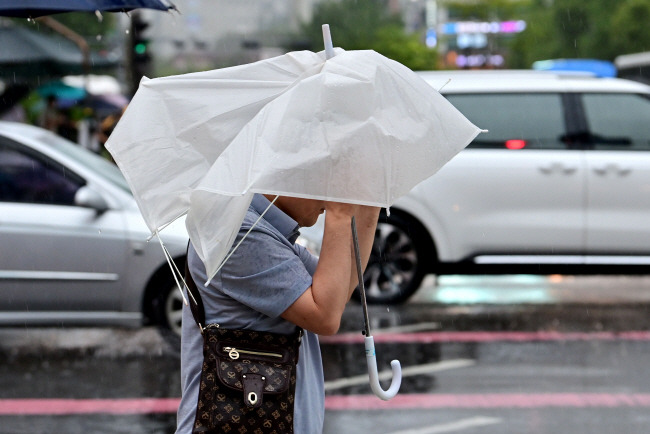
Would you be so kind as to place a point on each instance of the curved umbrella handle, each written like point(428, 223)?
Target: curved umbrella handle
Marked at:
point(374, 376)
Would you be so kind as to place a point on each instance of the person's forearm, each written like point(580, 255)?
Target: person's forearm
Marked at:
point(336, 276)
point(320, 307)
point(331, 281)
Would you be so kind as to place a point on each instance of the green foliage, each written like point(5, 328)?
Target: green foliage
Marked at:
point(485, 10)
point(629, 30)
point(392, 42)
point(597, 29)
point(353, 23)
point(366, 25)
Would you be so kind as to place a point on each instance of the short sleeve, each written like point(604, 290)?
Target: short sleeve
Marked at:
point(265, 273)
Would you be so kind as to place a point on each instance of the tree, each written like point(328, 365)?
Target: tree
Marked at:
point(394, 43)
point(536, 42)
point(366, 25)
point(487, 11)
point(597, 29)
point(629, 30)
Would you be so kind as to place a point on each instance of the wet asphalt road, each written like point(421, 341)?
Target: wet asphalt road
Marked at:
point(517, 354)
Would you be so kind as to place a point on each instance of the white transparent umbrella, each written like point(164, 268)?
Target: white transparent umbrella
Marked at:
point(346, 126)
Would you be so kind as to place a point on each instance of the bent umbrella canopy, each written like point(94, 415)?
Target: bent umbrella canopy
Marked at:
point(341, 126)
point(357, 128)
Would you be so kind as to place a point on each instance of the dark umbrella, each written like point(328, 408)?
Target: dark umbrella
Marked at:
point(37, 8)
point(29, 54)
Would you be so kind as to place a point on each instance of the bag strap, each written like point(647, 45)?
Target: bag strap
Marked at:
point(195, 301)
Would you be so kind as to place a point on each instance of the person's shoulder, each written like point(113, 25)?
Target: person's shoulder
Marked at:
point(253, 221)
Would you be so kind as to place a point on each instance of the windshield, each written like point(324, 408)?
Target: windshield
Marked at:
point(99, 165)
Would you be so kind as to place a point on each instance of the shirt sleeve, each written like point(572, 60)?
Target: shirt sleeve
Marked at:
point(266, 273)
point(310, 261)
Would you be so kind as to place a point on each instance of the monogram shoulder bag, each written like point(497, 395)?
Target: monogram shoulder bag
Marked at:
point(248, 378)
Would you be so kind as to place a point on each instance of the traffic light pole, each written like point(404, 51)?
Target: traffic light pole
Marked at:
point(138, 56)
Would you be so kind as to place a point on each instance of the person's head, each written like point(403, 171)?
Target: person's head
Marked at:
point(303, 211)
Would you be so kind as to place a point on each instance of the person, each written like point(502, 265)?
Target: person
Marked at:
point(106, 127)
point(270, 283)
point(51, 117)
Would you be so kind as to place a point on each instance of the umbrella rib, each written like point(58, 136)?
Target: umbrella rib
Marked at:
point(175, 271)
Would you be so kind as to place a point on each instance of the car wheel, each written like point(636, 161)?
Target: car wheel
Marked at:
point(167, 308)
point(398, 261)
point(173, 310)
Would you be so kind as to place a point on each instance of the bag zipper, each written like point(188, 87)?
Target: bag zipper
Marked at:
point(233, 353)
point(209, 326)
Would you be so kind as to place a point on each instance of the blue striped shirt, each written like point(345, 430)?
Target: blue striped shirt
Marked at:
point(265, 275)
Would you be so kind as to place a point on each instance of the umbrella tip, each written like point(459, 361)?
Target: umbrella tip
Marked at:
point(327, 38)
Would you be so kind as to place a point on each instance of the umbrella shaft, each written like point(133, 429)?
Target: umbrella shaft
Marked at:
point(362, 288)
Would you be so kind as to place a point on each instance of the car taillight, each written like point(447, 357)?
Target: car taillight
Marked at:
point(515, 144)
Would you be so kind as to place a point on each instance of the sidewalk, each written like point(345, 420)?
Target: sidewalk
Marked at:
point(521, 302)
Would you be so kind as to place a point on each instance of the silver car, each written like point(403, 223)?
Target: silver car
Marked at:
point(74, 248)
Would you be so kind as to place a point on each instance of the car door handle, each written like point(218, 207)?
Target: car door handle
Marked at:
point(612, 168)
point(557, 167)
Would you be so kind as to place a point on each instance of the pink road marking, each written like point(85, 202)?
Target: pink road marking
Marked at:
point(86, 406)
point(22, 407)
point(491, 400)
point(441, 337)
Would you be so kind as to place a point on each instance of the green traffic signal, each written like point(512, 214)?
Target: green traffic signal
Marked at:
point(140, 48)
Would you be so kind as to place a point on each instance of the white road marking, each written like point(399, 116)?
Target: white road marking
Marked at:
point(406, 372)
point(456, 426)
point(423, 326)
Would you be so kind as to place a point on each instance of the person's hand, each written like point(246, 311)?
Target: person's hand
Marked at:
point(320, 307)
point(339, 209)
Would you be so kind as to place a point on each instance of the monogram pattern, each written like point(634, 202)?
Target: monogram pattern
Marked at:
point(221, 406)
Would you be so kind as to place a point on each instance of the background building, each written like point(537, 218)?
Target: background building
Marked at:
point(216, 33)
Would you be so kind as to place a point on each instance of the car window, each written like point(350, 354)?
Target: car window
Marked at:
point(97, 164)
point(515, 121)
point(618, 121)
point(28, 178)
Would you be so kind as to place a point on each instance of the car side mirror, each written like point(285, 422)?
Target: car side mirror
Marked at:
point(89, 198)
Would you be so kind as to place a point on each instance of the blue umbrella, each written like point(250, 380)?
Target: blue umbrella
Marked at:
point(60, 90)
point(37, 8)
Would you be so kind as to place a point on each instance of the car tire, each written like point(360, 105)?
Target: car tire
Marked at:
point(401, 255)
point(168, 311)
point(173, 309)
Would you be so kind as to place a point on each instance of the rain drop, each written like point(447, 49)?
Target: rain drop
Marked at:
point(99, 231)
point(99, 16)
point(127, 31)
point(387, 211)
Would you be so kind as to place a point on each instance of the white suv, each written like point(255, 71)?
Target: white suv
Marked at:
point(561, 183)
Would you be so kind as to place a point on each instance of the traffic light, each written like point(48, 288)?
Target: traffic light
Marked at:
point(139, 53)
